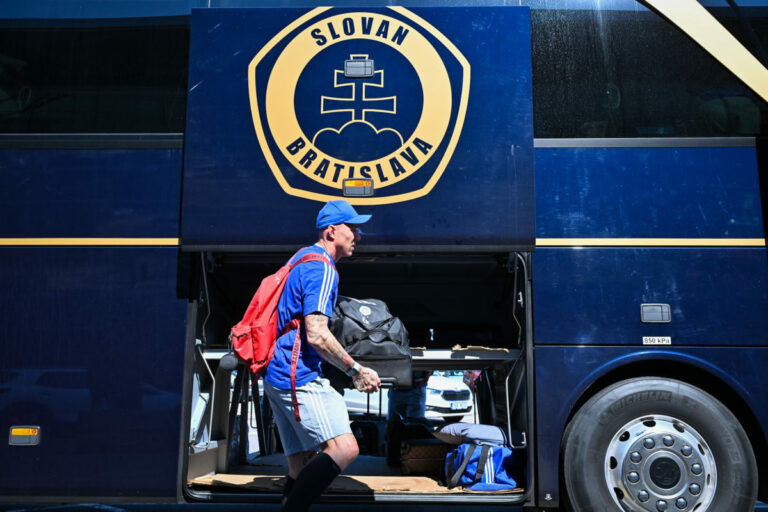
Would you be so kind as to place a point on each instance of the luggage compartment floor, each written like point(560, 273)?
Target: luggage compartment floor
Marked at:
point(367, 475)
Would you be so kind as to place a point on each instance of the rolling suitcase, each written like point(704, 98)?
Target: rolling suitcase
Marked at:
point(369, 434)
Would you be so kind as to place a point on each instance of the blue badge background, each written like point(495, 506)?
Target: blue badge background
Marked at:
point(358, 142)
point(484, 198)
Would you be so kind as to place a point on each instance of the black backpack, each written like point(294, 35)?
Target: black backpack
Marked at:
point(374, 338)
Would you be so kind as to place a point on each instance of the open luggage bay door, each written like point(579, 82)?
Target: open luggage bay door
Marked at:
point(420, 116)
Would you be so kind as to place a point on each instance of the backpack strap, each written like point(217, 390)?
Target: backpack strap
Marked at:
point(294, 362)
point(313, 256)
point(295, 323)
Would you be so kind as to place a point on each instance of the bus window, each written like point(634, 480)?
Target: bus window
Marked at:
point(94, 77)
point(630, 73)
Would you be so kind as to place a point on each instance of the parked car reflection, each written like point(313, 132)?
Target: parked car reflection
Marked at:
point(447, 398)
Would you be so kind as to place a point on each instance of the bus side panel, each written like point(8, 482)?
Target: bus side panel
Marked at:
point(94, 357)
point(685, 192)
point(92, 338)
point(90, 193)
point(563, 373)
point(717, 296)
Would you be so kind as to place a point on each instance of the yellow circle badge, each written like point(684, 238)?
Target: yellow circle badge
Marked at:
point(358, 95)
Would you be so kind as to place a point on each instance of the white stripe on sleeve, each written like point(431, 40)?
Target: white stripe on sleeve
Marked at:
point(328, 288)
point(331, 280)
point(320, 304)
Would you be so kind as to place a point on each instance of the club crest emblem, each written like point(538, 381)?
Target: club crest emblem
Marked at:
point(377, 94)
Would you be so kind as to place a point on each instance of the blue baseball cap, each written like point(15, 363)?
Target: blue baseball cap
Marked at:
point(339, 212)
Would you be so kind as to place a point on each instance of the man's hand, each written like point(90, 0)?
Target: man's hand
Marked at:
point(324, 343)
point(366, 380)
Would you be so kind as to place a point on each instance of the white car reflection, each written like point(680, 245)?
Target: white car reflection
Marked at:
point(448, 398)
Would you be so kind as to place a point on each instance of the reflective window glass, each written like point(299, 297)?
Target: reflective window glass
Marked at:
point(90, 76)
point(631, 73)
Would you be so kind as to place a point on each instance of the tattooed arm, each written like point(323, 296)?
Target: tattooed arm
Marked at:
point(322, 340)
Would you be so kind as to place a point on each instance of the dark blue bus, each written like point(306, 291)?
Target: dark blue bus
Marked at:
point(569, 200)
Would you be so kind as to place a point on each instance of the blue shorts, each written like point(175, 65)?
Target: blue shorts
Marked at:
point(323, 415)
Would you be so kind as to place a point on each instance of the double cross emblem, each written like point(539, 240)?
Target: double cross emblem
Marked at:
point(358, 77)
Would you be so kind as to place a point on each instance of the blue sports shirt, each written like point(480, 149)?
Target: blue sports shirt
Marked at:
point(311, 287)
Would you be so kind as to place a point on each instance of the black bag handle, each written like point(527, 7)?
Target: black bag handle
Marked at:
point(479, 472)
point(457, 475)
point(375, 330)
point(481, 463)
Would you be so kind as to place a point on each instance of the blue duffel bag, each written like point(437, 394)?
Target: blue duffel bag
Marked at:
point(481, 467)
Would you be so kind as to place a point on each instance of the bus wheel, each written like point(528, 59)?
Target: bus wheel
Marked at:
point(652, 444)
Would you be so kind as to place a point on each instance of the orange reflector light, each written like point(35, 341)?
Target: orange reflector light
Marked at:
point(358, 183)
point(357, 187)
point(24, 432)
point(24, 435)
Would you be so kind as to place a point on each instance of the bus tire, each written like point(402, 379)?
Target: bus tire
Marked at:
point(647, 444)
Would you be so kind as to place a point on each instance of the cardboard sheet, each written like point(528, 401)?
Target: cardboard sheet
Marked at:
point(367, 475)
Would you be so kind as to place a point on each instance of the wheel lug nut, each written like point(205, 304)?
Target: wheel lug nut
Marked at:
point(694, 489)
point(643, 495)
point(661, 505)
point(635, 457)
point(686, 450)
point(681, 503)
point(696, 469)
point(633, 477)
point(668, 440)
point(649, 443)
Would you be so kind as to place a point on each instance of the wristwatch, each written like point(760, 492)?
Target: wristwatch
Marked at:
point(354, 370)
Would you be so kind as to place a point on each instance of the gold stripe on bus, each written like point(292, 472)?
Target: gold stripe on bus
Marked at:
point(88, 241)
point(540, 242)
point(650, 242)
point(693, 19)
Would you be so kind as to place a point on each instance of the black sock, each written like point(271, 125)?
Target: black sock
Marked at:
point(311, 482)
point(287, 487)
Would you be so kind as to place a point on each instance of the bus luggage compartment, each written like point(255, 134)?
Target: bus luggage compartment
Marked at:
point(463, 312)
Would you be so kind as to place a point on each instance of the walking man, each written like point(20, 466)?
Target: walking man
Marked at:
point(321, 445)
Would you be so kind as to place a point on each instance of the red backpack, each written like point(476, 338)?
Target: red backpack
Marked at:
point(254, 337)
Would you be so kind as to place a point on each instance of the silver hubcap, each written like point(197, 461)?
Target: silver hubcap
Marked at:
point(658, 463)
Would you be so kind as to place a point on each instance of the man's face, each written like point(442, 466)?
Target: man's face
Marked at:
point(346, 236)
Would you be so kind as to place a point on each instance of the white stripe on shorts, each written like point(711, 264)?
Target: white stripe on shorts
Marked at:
point(314, 410)
point(321, 414)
